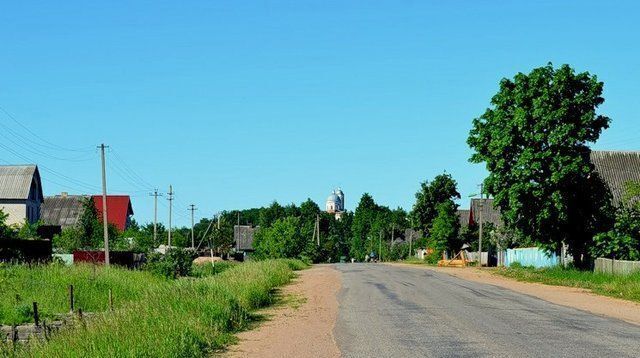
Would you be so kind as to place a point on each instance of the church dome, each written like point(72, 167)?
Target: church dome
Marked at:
point(333, 198)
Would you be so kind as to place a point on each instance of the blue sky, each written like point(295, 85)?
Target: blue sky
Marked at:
point(238, 104)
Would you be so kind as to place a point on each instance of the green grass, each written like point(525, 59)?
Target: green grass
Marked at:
point(190, 317)
point(49, 286)
point(625, 287)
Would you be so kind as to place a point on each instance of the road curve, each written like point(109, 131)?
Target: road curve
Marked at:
point(390, 311)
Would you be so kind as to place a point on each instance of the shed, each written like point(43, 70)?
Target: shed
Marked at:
point(63, 210)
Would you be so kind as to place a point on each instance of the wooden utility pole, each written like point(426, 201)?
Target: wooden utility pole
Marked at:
point(105, 223)
point(317, 229)
point(192, 208)
point(170, 198)
point(155, 195)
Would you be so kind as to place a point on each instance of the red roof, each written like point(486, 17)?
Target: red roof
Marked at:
point(118, 209)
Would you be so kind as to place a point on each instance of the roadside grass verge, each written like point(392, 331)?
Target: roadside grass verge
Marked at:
point(619, 286)
point(189, 317)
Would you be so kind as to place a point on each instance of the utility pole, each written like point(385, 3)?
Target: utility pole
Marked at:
point(317, 228)
point(105, 223)
point(480, 232)
point(170, 198)
point(155, 195)
point(192, 208)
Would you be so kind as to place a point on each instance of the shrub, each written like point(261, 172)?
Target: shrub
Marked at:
point(175, 263)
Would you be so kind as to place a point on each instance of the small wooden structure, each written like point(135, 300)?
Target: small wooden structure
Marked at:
point(460, 260)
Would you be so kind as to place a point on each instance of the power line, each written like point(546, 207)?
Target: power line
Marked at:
point(50, 144)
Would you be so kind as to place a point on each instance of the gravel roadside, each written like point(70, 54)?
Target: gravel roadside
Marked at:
point(303, 325)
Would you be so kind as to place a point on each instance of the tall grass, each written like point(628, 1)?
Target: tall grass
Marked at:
point(49, 286)
point(625, 287)
point(186, 318)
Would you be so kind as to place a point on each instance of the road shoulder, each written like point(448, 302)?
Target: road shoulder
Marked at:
point(303, 325)
point(578, 298)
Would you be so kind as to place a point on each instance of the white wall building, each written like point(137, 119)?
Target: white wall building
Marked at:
point(20, 193)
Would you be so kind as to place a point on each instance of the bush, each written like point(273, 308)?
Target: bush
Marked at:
point(175, 263)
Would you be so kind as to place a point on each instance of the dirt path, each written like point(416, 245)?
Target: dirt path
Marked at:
point(303, 325)
point(566, 296)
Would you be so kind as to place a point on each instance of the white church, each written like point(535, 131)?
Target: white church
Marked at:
point(335, 203)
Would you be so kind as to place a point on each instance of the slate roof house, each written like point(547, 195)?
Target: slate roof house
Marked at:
point(20, 193)
point(463, 217)
point(62, 210)
point(617, 168)
point(489, 213)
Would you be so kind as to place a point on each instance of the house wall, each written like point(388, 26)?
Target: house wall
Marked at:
point(17, 212)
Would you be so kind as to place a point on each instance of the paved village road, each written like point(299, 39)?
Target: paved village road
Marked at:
point(390, 311)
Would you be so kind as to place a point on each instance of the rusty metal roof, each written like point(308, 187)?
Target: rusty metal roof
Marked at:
point(16, 181)
point(616, 169)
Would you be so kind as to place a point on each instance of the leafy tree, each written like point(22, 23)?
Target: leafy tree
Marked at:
point(442, 189)
point(534, 143)
point(271, 214)
point(281, 240)
point(446, 227)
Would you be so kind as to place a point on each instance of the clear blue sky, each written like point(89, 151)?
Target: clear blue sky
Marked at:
point(238, 104)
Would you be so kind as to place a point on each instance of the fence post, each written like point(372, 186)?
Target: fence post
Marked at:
point(36, 318)
point(71, 301)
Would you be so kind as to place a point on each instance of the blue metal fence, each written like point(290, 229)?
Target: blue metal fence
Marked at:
point(531, 256)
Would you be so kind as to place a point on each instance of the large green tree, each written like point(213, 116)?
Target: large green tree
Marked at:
point(534, 140)
point(442, 189)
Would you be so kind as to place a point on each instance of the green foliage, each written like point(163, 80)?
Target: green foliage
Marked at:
point(6, 231)
point(207, 269)
point(174, 318)
point(282, 240)
point(67, 241)
point(622, 242)
point(176, 262)
point(446, 227)
point(29, 231)
point(534, 143)
point(431, 194)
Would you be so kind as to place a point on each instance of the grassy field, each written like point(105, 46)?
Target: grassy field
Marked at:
point(625, 287)
point(189, 317)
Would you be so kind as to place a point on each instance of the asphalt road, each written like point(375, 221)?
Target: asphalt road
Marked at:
point(390, 311)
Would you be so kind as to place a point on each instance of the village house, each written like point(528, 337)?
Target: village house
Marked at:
point(20, 193)
point(617, 168)
point(119, 210)
point(64, 210)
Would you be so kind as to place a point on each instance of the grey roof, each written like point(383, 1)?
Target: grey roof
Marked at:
point(243, 236)
point(616, 169)
point(489, 213)
point(463, 216)
point(16, 180)
point(62, 210)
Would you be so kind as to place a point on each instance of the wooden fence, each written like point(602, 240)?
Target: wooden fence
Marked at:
point(616, 267)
